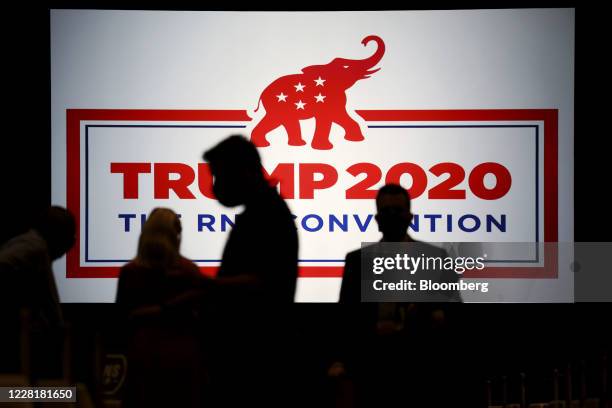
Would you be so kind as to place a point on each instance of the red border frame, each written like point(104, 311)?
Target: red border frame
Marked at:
point(548, 116)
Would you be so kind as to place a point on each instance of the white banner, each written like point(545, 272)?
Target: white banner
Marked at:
point(471, 111)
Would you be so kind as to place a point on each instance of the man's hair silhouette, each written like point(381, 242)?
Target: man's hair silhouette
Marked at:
point(237, 150)
point(393, 212)
point(236, 166)
point(57, 226)
point(392, 189)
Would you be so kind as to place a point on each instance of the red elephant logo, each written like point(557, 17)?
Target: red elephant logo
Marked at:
point(319, 92)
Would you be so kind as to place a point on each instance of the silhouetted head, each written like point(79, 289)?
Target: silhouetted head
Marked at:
point(159, 242)
point(57, 226)
point(236, 168)
point(393, 212)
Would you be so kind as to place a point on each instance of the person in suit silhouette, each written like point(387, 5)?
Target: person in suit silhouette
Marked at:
point(366, 328)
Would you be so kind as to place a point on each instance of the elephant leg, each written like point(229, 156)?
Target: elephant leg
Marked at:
point(351, 128)
point(320, 140)
point(294, 132)
point(265, 126)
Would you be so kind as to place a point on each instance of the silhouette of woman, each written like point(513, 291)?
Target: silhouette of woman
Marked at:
point(164, 354)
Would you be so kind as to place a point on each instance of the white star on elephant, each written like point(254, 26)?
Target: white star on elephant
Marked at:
point(299, 87)
point(300, 105)
point(282, 97)
point(320, 97)
point(319, 81)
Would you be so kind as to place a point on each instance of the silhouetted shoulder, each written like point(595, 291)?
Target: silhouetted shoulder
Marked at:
point(353, 256)
point(187, 267)
point(350, 291)
point(25, 251)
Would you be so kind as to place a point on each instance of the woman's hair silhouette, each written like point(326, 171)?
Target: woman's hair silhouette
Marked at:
point(158, 246)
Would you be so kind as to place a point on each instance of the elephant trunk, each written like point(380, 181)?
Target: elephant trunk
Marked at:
point(362, 66)
point(377, 56)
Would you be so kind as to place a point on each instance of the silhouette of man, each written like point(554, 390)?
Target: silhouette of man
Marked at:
point(26, 281)
point(393, 216)
point(25, 264)
point(370, 327)
point(255, 284)
point(260, 257)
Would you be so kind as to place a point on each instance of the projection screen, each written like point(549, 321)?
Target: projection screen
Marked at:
point(471, 110)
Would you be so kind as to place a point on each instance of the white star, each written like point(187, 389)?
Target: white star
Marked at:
point(299, 105)
point(299, 87)
point(282, 97)
point(319, 81)
point(320, 97)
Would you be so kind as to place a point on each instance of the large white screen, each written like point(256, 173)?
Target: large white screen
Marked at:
point(466, 87)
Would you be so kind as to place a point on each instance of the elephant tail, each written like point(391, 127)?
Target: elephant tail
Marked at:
point(259, 102)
